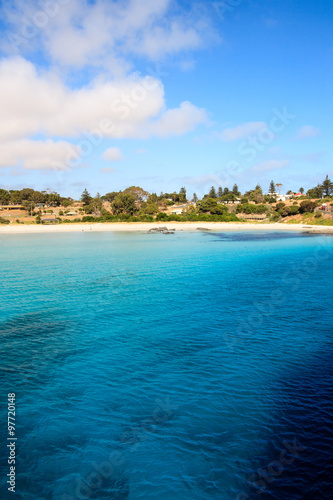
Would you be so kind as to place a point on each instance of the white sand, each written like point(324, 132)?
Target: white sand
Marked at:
point(143, 227)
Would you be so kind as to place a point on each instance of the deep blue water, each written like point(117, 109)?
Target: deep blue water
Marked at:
point(180, 367)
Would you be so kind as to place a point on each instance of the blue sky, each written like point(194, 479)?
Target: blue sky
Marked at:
point(165, 93)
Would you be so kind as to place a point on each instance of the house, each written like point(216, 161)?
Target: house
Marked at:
point(280, 197)
point(178, 210)
point(71, 213)
point(8, 208)
point(283, 197)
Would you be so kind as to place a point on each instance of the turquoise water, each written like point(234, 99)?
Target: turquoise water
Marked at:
point(179, 367)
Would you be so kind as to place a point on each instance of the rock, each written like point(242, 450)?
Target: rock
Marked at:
point(320, 231)
point(158, 229)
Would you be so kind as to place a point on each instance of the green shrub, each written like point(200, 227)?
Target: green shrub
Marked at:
point(248, 208)
point(88, 218)
point(307, 206)
point(294, 210)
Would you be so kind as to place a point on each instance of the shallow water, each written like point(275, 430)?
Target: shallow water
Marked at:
point(180, 367)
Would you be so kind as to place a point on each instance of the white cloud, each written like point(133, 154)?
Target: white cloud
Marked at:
point(36, 103)
point(267, 166)
point(113, 154)
point(242, 131)
point(306, 132)
point(105, 32)
point(33, 103)
point(178, 121)
point(38, 155)
point(41, 115)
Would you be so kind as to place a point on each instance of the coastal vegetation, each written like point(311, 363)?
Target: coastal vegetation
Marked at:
point(134, 204)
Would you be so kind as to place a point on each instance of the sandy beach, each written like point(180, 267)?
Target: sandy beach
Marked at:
point(144, 227)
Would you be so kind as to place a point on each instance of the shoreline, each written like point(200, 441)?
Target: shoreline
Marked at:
point(145, 226)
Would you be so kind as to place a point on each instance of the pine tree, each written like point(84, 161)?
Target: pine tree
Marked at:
point(327, 187)
point(195, 198)
point(212, 192)
point(272, 188)
point(219, 192)
point(182, 195)
point(85, 197)
point(235, 190)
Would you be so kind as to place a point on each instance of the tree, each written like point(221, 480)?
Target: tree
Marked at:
point(301, 190)
point(307, 206)
point(226, 191)
point(229, 197)
point(111, 196)
point(4, 197)
point(124, 203)
point(272, 188)
point(153, 198)
point(140, 195)
point(97, 204)
point(182, 195)
point(207, 205)
point(219, 192)
point(255, 194)
point(54, 199)
point(315, 192)
point(149, 208)
point(212, 192)
point(235, 190)
point(182, 198)
point(86, 198)
point(327, 186)
point(38, 197)
point(195, 198)
point(279, 186)
point(15, 196)
point(249, 208)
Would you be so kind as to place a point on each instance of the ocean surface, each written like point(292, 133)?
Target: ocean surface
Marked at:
point(168, 367)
